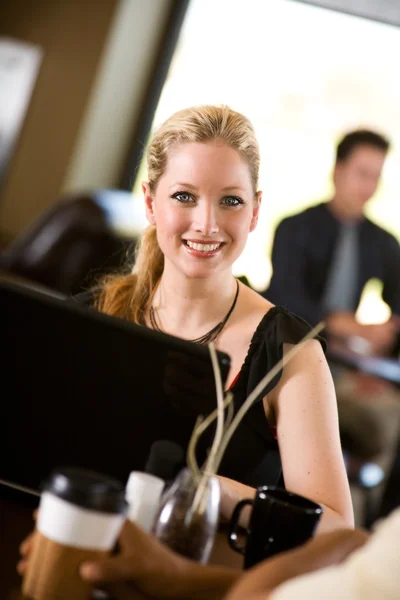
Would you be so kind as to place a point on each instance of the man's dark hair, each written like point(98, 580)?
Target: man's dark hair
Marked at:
point(360, 137)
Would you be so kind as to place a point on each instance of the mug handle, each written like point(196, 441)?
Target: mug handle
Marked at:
point(234, 525)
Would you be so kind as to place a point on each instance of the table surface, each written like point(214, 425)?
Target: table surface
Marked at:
point(16, 521)
point(380, 366)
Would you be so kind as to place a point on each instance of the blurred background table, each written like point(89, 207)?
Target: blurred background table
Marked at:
point(342, 353)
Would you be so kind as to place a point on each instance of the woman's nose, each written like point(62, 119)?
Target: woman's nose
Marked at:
point(205, 219)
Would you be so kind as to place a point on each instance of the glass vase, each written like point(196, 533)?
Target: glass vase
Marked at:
point(188, 516)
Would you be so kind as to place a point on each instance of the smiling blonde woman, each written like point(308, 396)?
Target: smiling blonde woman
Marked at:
point(202, 201)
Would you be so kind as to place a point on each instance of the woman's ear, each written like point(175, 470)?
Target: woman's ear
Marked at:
point(149, 203)
point(256, 211)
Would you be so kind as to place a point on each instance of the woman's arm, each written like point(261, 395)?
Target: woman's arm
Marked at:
point(305, 406)
point(304, 403)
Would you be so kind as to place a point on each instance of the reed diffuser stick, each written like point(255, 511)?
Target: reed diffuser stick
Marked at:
point(191, 451)
point(208, 468)
point(200, 426)
point(220, 408)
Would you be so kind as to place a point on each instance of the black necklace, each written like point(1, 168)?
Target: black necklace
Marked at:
point(212, 335)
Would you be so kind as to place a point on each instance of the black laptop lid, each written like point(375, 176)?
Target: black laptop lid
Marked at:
point(84, 389)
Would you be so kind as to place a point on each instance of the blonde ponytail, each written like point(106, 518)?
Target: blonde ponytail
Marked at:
point(148, 268)
point(129, 296)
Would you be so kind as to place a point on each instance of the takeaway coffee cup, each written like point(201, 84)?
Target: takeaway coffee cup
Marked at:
point(80, 516)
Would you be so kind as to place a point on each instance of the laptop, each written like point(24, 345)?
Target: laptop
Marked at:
point(84, 389)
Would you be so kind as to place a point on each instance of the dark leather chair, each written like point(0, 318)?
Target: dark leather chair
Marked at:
point(67, 247)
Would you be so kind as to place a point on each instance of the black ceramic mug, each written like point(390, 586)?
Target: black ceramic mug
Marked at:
point(279, 521)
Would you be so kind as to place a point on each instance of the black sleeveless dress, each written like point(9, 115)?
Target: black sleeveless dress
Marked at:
point(252, 455)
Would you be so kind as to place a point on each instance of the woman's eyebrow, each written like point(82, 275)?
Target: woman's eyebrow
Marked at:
point(183, 184)
point(231, 188)
point(228, 188)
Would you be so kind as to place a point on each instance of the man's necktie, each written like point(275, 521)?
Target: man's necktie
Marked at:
point(341, 284)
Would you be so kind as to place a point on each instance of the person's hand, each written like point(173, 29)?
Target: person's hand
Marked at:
point(381, 336)
point(143, 568)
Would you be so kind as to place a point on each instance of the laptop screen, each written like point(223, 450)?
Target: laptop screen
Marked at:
point(80, 388)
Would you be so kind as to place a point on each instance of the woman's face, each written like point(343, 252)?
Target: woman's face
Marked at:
point(203, 208)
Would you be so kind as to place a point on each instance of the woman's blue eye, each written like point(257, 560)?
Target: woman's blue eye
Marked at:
point(183, 197)
point(232, 201)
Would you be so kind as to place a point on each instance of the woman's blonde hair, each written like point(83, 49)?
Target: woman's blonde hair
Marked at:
point(130, 296)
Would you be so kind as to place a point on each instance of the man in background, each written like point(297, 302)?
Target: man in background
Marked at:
point(322, 258)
